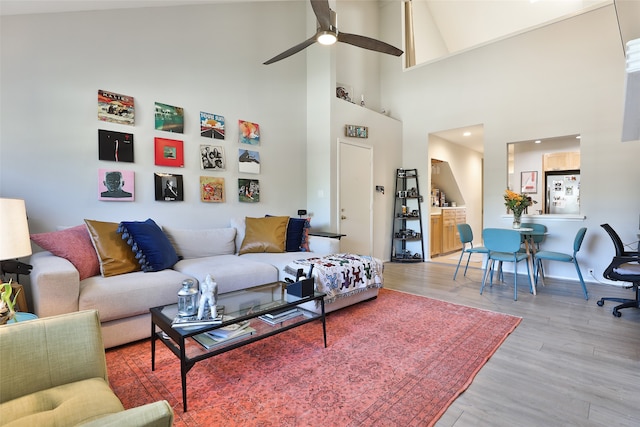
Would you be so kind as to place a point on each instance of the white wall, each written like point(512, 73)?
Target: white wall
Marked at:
point(202, 58)
point(566, 78)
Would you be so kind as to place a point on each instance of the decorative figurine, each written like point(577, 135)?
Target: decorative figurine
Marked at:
point(208, 294)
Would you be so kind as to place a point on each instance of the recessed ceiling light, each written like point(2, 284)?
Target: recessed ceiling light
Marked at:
point(537, 141)
point(466, 134)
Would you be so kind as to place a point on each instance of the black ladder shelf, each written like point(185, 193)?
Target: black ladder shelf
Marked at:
point(407, 244)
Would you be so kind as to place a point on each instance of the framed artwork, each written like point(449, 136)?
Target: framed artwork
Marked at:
point(169, 118)
point(212, 157)
point(211, 125)
point(529, 182)
point(168, 187)
point(115, 146)
point(249, 132)
point(115, 185)
point(248, 161)
point(169, 152)
point(344, 91)
point(248, 190)
point(356, 131)
point(211, 189)
point(116, 108)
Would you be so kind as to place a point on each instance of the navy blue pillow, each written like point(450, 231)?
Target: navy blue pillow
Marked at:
point(295, 234)
point(152, 248)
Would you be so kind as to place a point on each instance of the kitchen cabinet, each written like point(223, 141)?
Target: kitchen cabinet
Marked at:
point(436, 235)
point(450, 237)
point(562, 161)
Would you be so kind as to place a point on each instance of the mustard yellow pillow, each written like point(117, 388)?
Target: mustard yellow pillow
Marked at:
point(114, 254)
point(264, 234)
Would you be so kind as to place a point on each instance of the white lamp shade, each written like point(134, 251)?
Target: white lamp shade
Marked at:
point(14, 230)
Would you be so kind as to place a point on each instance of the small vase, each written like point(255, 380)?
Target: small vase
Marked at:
point(517, 219)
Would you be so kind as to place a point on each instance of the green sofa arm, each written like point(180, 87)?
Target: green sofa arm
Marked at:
point(157, 414)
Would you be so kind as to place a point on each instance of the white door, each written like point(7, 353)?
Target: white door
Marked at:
point(355, 202)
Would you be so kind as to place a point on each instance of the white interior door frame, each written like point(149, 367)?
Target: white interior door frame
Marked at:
point(368, 189)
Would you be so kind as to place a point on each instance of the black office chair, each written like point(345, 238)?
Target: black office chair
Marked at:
point(625, 267)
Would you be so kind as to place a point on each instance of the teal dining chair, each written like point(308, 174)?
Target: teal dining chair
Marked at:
point(466, 238)
point(504, 246)
point(563, 257)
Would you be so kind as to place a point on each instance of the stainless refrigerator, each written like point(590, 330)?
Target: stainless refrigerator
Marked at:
point(562, 192)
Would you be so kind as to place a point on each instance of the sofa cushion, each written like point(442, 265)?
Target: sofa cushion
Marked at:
point(264, 234)
point(230, 272)
point(116, 257)
point(151, 246)
point(193, 243)
point(65, 405)
point(73, 244)
point(279, 261)
point(128, 295)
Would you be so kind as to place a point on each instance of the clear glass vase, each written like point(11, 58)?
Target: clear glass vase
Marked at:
point(517, 219)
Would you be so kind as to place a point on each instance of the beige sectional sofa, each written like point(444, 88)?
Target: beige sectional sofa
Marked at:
point(123, 300)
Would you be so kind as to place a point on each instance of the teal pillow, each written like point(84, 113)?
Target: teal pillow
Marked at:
point(151, 246)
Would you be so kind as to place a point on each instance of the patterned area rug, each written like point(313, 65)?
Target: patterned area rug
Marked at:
point(400, 359)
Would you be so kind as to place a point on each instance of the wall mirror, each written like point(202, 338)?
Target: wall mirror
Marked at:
point(548, 171)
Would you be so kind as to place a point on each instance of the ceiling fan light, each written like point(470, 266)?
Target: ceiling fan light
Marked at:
point(326, 38)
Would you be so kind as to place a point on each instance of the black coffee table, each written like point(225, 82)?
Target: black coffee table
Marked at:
point(247, 304)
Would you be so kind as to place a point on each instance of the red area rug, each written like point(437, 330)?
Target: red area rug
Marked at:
point(399, 360)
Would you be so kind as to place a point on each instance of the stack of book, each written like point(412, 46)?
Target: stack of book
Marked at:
point(225, 335)
point(280, 315)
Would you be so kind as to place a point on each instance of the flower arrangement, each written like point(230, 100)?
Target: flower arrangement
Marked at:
point(517, 203)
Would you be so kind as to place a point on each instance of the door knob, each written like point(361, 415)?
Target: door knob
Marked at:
point(343, 217)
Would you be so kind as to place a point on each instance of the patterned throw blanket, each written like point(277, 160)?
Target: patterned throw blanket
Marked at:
point(340, 275)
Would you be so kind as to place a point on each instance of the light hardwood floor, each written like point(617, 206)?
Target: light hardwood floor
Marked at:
point(568, 363)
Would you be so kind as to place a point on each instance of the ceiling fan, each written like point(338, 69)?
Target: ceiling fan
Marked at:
point(328, 34)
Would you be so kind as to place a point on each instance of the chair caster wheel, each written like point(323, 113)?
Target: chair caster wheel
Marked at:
point(617, 313)
point(600, 303)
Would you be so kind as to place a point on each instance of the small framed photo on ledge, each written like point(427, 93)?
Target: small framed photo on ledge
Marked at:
point(529, 182)
point(356, 131)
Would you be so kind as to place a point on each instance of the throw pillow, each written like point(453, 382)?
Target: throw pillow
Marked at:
point(115, 256)
point(73, 244)
point(151, 246)
point(194, 243)
point(264, 234)
point(295, 234)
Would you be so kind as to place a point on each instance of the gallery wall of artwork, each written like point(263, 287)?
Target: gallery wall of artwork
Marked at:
point(116, 183)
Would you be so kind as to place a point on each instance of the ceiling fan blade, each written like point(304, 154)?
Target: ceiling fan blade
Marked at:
point(323, 14)
point(369, 43)
point(297, 48)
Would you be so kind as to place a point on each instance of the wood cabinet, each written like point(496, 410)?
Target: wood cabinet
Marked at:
point(436, 235)
point(450, 236)
point(561, 161)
